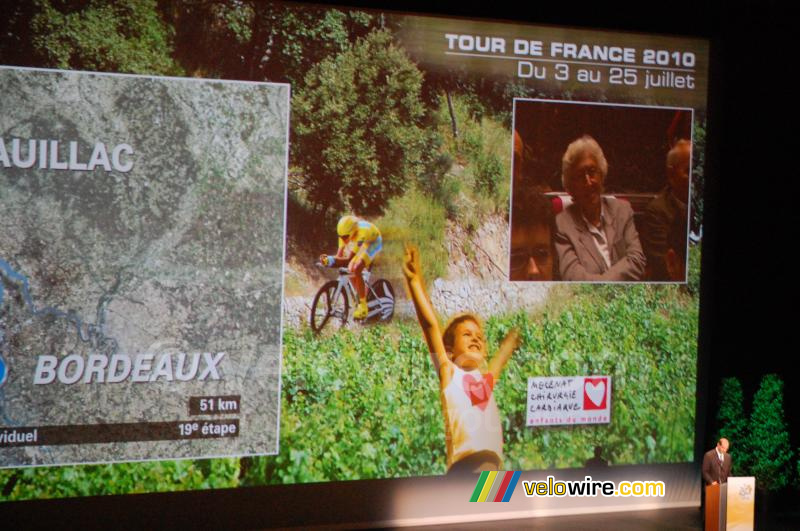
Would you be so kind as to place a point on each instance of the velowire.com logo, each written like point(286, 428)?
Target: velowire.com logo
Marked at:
point(495, 486)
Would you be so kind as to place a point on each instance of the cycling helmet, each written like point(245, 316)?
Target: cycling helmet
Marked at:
point(347, 225)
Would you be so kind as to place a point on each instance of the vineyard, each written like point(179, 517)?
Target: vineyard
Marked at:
point(366, 404)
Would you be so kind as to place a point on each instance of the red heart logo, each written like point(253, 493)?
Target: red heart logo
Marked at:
point(594, 393)
point(479, 391)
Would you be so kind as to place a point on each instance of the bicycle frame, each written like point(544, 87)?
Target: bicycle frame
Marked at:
point(375, 306)
point(380, 300)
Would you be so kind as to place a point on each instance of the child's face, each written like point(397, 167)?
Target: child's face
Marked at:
point(469, 348)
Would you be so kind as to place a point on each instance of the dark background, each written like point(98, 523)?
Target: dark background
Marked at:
point(634, 141)
point(749, 288)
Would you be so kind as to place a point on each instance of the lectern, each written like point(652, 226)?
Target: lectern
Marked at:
point(730, 506)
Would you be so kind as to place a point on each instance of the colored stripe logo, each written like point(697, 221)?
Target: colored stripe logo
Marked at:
point(495, 486)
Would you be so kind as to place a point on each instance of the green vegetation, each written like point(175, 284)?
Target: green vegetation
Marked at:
point(374, 393)
point(732, 424)
point(247, 39)
point(465, 180)
point(250, 39)
point(482, 155)
point(123, 478)
point(416, 218)
point(693, 274)
point(117, 37)
point(358, 405)
point(769, 436)
point(760, 446)
point(643, 337)
point(358, 127)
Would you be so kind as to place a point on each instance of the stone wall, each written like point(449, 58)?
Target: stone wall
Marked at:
point(449, 297)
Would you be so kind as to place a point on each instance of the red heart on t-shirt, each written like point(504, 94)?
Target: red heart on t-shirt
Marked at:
point(479, 391)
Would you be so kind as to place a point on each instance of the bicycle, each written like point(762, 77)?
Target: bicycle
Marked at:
point(333, 300)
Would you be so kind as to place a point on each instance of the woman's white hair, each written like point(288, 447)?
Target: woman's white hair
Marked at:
point(584, 145)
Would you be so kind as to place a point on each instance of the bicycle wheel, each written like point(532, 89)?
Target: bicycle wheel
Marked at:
point(383, 291)
point(325, 308)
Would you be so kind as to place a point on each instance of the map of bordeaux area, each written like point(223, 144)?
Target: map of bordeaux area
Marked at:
point(141, 257)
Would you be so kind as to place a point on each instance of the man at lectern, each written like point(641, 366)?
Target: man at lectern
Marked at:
point(717, 464)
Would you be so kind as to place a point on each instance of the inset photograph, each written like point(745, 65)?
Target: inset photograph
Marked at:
point(600, 192)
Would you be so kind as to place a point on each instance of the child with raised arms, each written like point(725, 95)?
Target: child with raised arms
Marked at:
point(467, 378)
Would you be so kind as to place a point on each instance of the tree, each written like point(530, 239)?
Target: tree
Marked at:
point(15, 42)
point(94, 35)
point(732, 423)
point(769, 436)
point(256, 40)
point(358, 125)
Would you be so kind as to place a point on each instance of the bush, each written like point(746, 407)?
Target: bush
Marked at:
point(358, 133)
point(483, 149)
point(769, 435)
point(732, 423)
point(415, 218)
point(447, 193)
point(489, 174)
point(103, 36)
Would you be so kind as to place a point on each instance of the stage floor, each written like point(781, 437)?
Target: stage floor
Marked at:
point(672, 519)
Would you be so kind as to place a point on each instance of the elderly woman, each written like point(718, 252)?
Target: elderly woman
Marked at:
point(596, 239)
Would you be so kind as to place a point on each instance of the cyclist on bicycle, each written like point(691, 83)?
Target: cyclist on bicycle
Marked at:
point(359, 243)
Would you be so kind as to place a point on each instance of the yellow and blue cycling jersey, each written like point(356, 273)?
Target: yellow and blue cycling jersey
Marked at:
point(365, 244)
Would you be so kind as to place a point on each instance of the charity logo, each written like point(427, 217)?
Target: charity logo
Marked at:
point(479, 391)
point(595, 393)
point(495, 486)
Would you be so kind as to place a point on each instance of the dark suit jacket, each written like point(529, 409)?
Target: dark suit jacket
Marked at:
point(578, 257)
point(713, 470)
point(660, 215)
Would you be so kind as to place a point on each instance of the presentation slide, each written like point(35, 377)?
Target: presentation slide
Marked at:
point(310, 244)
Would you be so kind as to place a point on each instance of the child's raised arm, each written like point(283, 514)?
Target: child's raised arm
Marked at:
point(507, 348)
point(422, 304)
